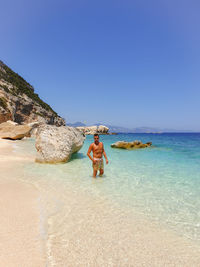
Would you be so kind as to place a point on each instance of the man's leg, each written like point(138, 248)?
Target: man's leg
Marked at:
point(95, 168)
point(101, 172)
point(101, 168)
point(94, 173)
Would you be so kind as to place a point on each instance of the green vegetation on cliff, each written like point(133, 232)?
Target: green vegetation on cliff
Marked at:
point(3, 102)
point(23, 87)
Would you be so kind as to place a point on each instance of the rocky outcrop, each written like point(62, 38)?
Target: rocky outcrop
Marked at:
point(19, 102)
point(57, 144)
point(131, 145)
point(14, 131)
point(101, 129)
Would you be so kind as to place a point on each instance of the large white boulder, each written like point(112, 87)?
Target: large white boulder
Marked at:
point(57, 144)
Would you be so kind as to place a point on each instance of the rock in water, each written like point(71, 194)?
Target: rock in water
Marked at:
point(14, 131)
point(90, 130)
point(57, 144)
point(103, 129)
point(130, 145)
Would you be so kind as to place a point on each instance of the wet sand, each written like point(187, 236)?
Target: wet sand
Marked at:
point(85, 231)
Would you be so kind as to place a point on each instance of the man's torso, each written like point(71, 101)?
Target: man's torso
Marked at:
point(97, 150)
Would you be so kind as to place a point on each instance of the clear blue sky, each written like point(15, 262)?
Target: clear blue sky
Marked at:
point(120, 62)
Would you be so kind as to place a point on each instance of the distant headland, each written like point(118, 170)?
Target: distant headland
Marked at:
point(121, 129)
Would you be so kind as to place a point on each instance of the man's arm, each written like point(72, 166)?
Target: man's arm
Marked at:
point(104, 153)
point(89, 151)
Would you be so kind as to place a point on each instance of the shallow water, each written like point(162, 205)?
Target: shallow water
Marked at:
point(161, 182)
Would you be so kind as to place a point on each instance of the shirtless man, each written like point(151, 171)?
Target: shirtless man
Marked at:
point(98, 152)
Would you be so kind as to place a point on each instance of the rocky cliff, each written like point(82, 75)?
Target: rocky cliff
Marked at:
point(19, 102)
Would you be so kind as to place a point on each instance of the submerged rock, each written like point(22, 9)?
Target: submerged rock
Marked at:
point(14, 131)
point(131, 145)
point(57, 144)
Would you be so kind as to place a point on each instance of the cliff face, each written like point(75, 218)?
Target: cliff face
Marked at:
point(19, 102)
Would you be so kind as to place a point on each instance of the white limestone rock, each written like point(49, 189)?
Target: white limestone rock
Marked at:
point(103, 129)
point(57, 144)
point(90, 130)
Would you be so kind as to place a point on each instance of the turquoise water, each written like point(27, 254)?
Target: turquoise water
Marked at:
point(161, 182)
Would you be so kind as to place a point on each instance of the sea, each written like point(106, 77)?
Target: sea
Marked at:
point(161, 183)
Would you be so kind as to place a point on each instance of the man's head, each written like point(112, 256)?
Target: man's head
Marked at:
point(96, 138)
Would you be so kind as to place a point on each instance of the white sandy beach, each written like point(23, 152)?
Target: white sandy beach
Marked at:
point(20, 239)
point(95, 234)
